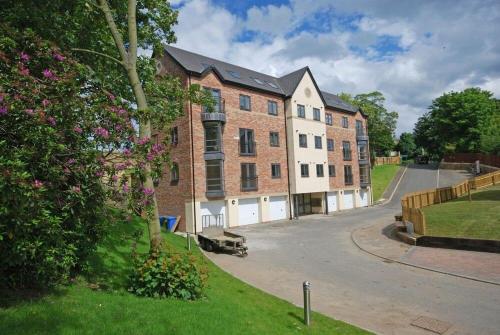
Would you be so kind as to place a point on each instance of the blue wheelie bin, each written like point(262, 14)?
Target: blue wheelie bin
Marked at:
point(170, 222)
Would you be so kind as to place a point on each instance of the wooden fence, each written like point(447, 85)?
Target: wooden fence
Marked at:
point(411, 203)
point(387, 160)
point(491, 160)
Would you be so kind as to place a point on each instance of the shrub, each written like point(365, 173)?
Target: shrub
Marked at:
point(166, 274)
point(55, 123)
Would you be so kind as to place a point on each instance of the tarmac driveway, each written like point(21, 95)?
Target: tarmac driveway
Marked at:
point(356, 287)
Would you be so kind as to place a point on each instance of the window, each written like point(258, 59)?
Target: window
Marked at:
point(213, 137)
point(274, 139)
point(275, 170)
point(347, 174)
point(316, 114)
point(244, 102)
point(217, 101)
point(319, 170)
point(248, 177)
point(362, 152)
point(317, 142)
point(214, 176)
point(301, 111)
point(364, 174)
point(174, 174)
point(346, 150)
point(304, 170)
point(234, 74)
point(247, 143)
point(329, 119)
point(272, 107)
point(330, 144)
point(359, 128)
point(258, 81)
point(345, 122)
point(174, 136)
point(303, 140)
point(273, 85)
point(331, 170)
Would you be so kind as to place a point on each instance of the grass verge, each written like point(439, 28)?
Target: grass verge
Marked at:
point(382, 176)
point(478, 218)
point(99, 303)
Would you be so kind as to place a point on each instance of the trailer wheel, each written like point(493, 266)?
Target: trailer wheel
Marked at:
point(203, 243)
point(209, 246)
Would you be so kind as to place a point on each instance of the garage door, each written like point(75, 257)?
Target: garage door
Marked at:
point(248, 211)
point(363, 198)
point(213, 213)
point(277, 208)
point(348, 198)
point(332, 202)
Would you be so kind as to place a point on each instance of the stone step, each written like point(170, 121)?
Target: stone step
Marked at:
point(407, 238)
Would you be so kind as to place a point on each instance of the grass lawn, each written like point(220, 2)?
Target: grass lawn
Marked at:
point(479, 218)
point(230, 306)
point(382, 176)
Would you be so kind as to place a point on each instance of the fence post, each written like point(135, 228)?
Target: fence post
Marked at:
point(468, 191)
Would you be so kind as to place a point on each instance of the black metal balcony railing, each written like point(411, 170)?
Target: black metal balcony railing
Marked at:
point(348, 179)
point(361, 134)
point(364, 179)
point(362, 155)
point(249, 183)
point(248, 148)
point(347, 154)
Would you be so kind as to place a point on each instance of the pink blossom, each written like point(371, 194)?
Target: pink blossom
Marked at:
point(66, 170)
point(115, 178)
point(77, 130)
point(111, 97)
point(143, 140)
point(24, 56)
point(71, 161)
point(148, 191)
point(118, 127)
point(125, 188)
point(37, 184)
point(150, 156)
point(45, 102)
point(120, 166)
point(102, 132)
point(48, 74)
point(59, 57)
point(99, 174)
point(3, 110)
point(51, 121)
point(76, 189)
point(30, 112)
point(121, 111)
point(24, 71)
point(1, 97)
point(157, 148)
point(127, 152)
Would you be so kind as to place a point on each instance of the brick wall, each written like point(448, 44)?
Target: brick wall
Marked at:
point(257, 119)
point(339, 134)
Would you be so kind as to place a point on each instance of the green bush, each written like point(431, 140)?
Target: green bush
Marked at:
point(166, 274)
point(54, 124)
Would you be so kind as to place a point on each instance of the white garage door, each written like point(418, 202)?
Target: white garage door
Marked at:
point(248, 211)
point(332, 202)
point(363, 198)
point(277, 208)
point(348, 199)
point(213, 213)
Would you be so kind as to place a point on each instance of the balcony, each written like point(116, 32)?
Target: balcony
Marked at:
point(213, 150)
point(217, 113)
point(249, 184)
point(215, 188)
point(361, 135)
point(363, 158)
point(248, 148)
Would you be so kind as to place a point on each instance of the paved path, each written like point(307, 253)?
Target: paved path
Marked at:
point(354, 286)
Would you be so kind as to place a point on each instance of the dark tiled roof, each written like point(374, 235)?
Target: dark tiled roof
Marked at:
point(334, 101)
point(285, 86)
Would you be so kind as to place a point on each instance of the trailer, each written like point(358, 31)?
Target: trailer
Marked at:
point(217, 238)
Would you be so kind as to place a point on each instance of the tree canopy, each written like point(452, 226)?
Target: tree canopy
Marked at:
point(466, 121)
point(381, 122)
point(406, 144)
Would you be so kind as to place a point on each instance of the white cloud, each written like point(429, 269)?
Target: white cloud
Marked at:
point(448, 45)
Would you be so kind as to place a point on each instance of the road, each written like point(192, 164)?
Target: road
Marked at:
point(351, 285)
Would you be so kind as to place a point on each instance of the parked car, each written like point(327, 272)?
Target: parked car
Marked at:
point(422, 159)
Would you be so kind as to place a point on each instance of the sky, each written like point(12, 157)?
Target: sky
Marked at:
point(411, 51)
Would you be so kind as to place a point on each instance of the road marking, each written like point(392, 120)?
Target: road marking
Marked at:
point(437, 182)
point(399, 181)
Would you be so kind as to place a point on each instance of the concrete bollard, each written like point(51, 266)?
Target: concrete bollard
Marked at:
point(307, 302)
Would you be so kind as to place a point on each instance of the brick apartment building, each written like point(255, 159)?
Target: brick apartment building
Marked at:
point(272, 149)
